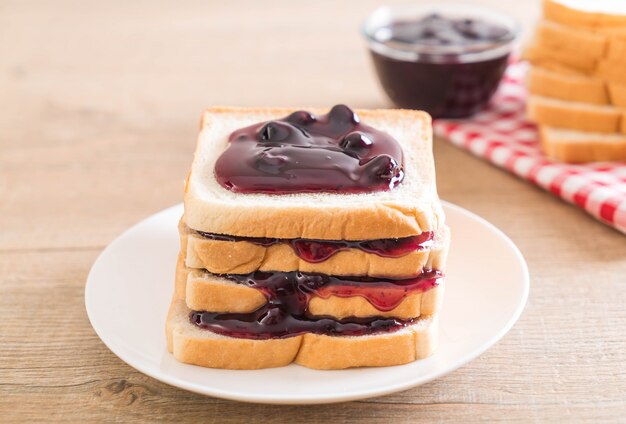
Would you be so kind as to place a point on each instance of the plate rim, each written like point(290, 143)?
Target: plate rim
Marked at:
point(325, 398)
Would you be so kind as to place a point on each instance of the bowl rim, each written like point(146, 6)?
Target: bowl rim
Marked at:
point(416, 52)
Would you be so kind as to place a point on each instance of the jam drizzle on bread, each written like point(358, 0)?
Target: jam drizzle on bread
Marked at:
point(305, 153)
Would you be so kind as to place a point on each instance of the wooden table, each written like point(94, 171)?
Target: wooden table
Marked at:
point(99, 111)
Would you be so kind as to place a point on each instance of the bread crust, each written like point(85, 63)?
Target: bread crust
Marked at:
point(566, 39)
point(551, 58)
point(616, 52)
point(192, 345)
point(545, 111)
point(595, 147)
point(352, 217)
point(548, 83)
point(557, 12)
point(618, 96)
point(331, 223)
point(195, 346)
point(414, 305)
point(242, 257)
point(613, 72)
point(328, 352)
point(205, 292)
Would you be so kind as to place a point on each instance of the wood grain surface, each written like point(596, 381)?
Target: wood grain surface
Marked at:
point(99, 110)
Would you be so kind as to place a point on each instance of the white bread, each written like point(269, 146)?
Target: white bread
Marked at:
point(578, 80)
point(596, 14)
point(242, 257)
point(203, 291)
point(617, 49)
point(196, 346)
point(555, 59)
point(208, 292)
point(617, 93)
point(613, 72)
point(410, 209)
point(569, 87)
point(575, 41)
point(572, 115)
point(577, 146)
point(554, 66)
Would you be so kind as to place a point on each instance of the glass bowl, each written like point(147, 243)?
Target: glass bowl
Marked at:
point(453, 80)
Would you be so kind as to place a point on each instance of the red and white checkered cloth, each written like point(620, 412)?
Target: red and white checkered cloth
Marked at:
point(502, 135)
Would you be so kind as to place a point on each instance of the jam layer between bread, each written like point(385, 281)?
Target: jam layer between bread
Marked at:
point(288, 293)
point(316, 251)
point(273, 323)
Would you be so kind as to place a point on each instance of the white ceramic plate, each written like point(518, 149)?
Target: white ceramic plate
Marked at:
point(130, 286)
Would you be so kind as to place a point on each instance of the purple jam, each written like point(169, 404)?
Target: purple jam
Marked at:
point(305, 153)
point(437, 30)
point(288, 293)
point(458, 67)
point(271, 322)
point(443, 90)
point(315, 251)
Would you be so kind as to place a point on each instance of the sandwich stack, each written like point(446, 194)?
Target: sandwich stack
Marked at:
point(310, 238)
point(577, 80)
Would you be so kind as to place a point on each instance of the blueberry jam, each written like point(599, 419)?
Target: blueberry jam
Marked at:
point(437, 30)
point(315, 251)
point(288, 293)
point(305, 153)
point(448, 67)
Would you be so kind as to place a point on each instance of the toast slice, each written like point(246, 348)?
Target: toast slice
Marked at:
point(568, 87)
point(203, 291)
point(410, 209)
point(614, 72)
point(566, 39)
point(243, 257)
point(552, 58)
point(577, 146)
point(617, 93)
point(208, 292)
point(616, 52)
point(196, 346)
point(586, 14)
point(573, 115)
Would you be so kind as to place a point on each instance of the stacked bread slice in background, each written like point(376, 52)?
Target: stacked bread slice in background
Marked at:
point(577, 81)
point(233, 244)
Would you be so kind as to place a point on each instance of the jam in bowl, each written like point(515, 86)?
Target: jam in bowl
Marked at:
point(445, 59)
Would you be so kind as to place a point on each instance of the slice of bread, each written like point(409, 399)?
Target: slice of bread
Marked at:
point(573, 115)
point(208, 292)
point(573, 88)
point(557, 67)
point(616, 52)
point(242, 257)
point(576, 41)
point(613, 72)
point(617, 92)
point(577, 146)
point(596, 14)
point(197, 346)
point(203, 291)
point(410, 209)
point(551, 58)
